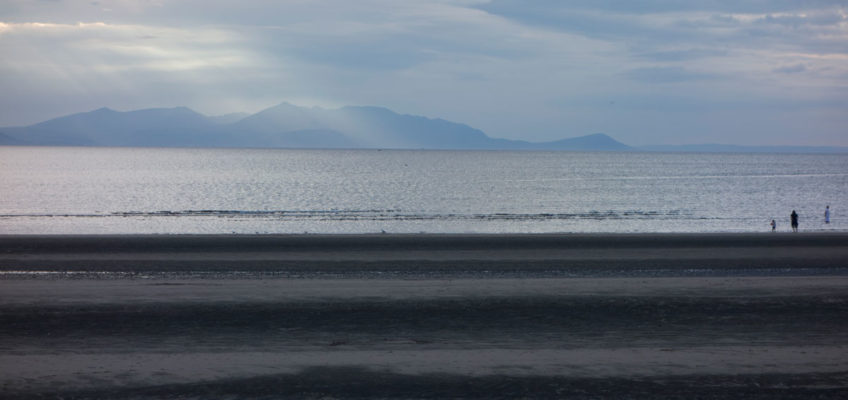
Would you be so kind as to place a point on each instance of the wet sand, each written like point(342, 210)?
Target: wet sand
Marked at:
point(424, 316)
point(452, 255)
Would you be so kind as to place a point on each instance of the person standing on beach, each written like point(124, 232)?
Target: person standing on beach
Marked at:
point(793, 218)
point(827, 214)
point(773, 225)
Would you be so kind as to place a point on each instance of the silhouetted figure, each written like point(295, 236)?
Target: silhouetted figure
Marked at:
point(773, 225)
point(794, 219)
point(827, 215)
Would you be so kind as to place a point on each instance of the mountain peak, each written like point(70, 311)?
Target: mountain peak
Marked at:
point(283, 106)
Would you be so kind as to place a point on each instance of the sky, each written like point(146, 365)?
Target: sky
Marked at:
point(746, 72)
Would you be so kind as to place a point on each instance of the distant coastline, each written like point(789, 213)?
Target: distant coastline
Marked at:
point(294, 127)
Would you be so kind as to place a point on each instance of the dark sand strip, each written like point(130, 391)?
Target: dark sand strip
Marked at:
point(418, 255)
point(210, 316)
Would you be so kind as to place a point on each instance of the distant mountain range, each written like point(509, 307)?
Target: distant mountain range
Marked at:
point(290, 126)
point(729, 148)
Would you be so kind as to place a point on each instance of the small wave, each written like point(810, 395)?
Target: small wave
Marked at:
point(373, 215)
point(674, 177)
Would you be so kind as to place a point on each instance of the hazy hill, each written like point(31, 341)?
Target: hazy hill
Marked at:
point(281, 126)
point(368, 127)
point(593, 142)
point(105, 127)
point(228, 118)
point(6, 140)
point(726, 148)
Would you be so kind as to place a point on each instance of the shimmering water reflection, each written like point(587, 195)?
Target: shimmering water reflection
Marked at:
point(126, 190)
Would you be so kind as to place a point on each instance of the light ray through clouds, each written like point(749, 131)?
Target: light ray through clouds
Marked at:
point(655, 72)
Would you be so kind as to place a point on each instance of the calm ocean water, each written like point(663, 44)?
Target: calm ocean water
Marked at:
point(128, 190)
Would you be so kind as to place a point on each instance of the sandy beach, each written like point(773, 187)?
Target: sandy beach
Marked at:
point(425, 316)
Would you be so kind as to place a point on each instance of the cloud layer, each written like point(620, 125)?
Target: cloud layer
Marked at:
point(741, 72)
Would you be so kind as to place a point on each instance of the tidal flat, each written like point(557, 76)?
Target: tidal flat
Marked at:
point(424, 316)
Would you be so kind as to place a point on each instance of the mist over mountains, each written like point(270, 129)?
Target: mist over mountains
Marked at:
point(289, 126)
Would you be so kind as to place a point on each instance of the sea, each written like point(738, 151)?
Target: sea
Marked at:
point(85, 190)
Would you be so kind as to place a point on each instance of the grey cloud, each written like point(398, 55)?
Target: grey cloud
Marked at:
point(659, 24)
point(368, 56)
point(694, 101)
point(724, 20)
point(663, 6)
point(819, 19)
point(666, 75)
point(791, 69)
point(684, 55)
